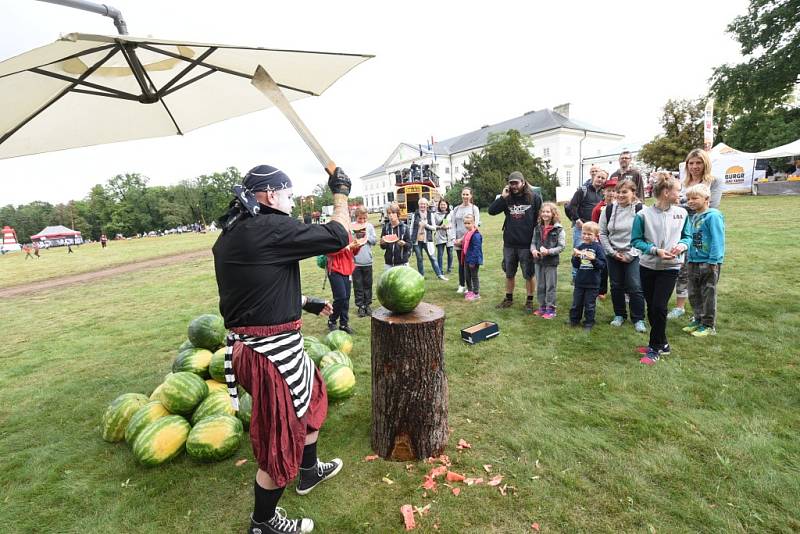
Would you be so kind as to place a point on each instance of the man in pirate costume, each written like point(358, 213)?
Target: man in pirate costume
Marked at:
point(256, 259)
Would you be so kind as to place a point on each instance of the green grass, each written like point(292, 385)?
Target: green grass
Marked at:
point(55, 262)
point(591, 441)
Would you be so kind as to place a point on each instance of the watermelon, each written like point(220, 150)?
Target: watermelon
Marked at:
point(156, 394)
point(144, 416)
point(182, 392)
point(245, 408)
point(308, 341)
point(335, 356)
point(390, 238)
point(322, 261)
point(118, 415)
point(217, 366)
point(194, 361)
point(185, 345)
point(317, 351)
point(207, 332)
point(217, 403)
point(162, 440)
point(400, 289)
point(339, 340)
point(339, 381)
point(214, 438)
point(213, 386)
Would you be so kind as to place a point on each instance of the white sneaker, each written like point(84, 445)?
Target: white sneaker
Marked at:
point(461, 289)
point(443, 278)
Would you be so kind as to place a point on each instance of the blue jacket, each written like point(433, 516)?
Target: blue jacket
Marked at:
point(474, 255)
point(708, 237)
point(588, 274)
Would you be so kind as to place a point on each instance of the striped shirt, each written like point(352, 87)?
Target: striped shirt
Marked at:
point(286, 352)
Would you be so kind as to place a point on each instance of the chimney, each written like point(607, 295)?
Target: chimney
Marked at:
point(563, 109)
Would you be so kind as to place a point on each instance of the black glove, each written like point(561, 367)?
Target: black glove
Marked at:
point(314, 305)
point(339, 182)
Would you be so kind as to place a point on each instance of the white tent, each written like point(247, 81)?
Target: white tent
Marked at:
point(785, 151)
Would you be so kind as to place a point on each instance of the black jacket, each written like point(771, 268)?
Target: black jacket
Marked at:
point(583, 202)
point(521, 217)
point(394, 254)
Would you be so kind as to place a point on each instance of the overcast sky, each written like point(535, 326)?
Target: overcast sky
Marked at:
point(442, 68)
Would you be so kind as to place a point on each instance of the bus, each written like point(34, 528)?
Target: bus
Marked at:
point(408, 194)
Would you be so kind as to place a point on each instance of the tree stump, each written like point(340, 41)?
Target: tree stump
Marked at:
point(409, 386)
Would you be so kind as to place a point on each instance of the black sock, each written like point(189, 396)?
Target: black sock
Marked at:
point(509, 296)
point(266, 501)
point(309, 456)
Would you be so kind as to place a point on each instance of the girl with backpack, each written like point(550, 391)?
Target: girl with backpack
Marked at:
point(622, 260)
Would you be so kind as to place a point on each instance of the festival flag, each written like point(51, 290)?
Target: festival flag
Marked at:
point(708, 125)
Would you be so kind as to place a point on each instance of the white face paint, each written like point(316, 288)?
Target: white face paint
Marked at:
point(283, 201)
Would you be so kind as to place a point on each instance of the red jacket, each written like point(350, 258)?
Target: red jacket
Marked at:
point(596, 211)
point(342, 262)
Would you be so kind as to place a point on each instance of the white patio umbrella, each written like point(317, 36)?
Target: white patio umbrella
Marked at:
point(85, 90)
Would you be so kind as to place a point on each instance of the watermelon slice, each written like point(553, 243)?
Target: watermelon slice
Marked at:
point(390, 238)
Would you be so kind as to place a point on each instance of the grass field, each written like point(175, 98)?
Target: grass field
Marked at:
point(55, 262)
point(708, 440)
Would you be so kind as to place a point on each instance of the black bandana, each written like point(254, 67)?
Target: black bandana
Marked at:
point(266, 178)
point(261, 178)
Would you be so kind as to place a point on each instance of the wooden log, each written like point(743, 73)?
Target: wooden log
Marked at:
point(409, 385)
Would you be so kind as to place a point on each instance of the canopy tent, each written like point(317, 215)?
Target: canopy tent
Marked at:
point(55, 236)
point(784, 151)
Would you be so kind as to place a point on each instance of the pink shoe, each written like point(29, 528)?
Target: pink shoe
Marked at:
point(540, 311)
point(469, 295)
point(550, 313)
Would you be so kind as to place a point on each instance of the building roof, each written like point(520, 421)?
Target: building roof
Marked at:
point(530, 123)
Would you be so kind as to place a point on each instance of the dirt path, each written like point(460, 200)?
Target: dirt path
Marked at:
point(53, 283)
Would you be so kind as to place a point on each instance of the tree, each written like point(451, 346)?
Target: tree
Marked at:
point(769, 38)
point(682, 122)
point(487, 171)
point(759, 130)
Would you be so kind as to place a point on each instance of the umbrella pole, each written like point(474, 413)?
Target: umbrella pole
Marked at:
point(100, 9)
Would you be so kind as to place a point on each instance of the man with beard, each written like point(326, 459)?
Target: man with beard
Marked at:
point(258, 275)
point(627, 172)
point(521, 205)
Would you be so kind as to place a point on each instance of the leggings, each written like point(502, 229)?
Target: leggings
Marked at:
point(471, 275)
point(657, 287)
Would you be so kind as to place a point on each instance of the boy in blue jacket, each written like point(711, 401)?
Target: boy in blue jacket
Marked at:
point(471, 257)
point(706, 254)
point(589, 260)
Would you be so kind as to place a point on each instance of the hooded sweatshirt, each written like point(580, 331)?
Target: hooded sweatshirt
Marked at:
point(708, 237)
point(654, 228)
point(521, 217)
point(364, 256)
point(615, 230)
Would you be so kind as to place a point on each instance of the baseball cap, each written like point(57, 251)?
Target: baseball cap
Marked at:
point(611, 182)
point(515, 176)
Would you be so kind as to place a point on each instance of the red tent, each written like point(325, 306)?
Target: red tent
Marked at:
point(58, 236)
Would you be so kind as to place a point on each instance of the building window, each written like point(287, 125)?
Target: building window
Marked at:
point(546, 152)
point(447, 170)
point(569, 175)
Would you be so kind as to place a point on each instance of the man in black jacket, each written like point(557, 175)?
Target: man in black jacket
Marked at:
point(521, 205)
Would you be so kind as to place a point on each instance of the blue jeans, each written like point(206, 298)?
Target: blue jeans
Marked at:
point(625, 279)
point(418, 253)
point(576, 240)
point(440, 256)
point(584, 302)
point(340, 287)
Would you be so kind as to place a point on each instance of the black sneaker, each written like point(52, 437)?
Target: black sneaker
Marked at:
point(345, 328)
point(529, 308)
point(312, 476)
point(279, 524)
point(505, 303)
point(367, 310)
point(361, 312)
point(331, 326)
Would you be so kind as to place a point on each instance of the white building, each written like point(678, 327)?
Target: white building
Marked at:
point(565, 142)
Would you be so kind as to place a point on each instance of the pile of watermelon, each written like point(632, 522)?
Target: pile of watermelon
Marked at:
point(190, 410)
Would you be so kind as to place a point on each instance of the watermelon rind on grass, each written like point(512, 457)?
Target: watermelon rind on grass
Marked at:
point(144, 416)
point(401, 289)
point(217, 366)
point(216, 403)
point(207, 332)
point(339, 381)
point(335, 356)
point(194, 361)
point(182, 392)
point(214, 438)
point(161, 441)
point(339, 340)
point(118, 415)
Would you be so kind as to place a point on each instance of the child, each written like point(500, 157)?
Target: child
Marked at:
point(609, 196)
point(548, 242)
point(706, 253)
point(362, 275)
point(588, 259)
point(340, 266)
point(396, 254)
point(472, 257)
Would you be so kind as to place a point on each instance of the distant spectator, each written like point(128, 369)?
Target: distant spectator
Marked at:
point(27, 250)
point(103, 240)
point(422, 229)
point(445, 235)
point(626, 172)
point(457, 221)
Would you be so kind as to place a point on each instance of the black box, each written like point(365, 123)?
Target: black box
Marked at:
point(479, 332)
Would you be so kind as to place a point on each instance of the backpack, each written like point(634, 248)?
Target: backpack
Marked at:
point(638, 207)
